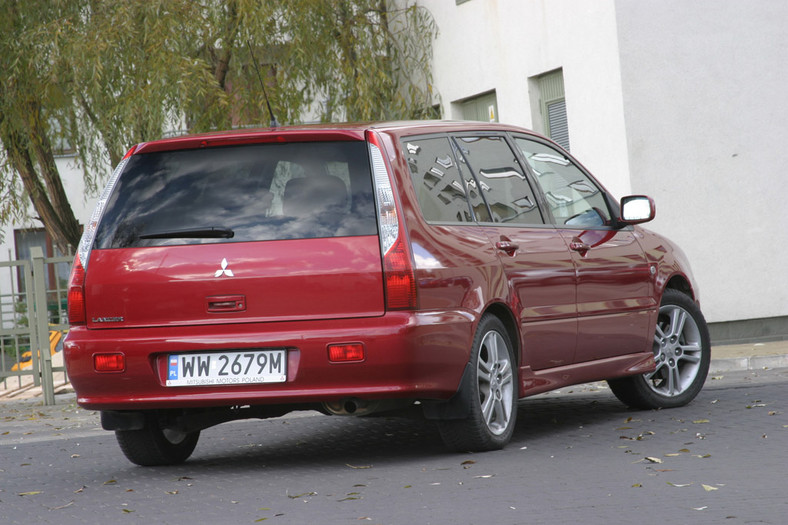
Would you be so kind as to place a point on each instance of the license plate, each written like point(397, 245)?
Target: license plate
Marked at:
point(227, 368)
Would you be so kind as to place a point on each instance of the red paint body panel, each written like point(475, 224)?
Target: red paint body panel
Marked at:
point(282, 281)
point(408, 355)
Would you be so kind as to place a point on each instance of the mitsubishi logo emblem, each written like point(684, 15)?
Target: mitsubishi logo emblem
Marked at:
point(224, 270)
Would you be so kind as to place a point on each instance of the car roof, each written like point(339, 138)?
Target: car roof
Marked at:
point(318, 132)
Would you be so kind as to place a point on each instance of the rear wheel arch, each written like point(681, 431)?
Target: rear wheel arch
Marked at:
point(505, 315)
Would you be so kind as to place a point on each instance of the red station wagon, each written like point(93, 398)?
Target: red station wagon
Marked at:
point(447, 267)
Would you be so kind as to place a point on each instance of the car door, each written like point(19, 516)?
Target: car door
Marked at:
point(613, 275)
point(536, 262)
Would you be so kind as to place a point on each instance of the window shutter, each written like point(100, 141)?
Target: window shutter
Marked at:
point(553, 103)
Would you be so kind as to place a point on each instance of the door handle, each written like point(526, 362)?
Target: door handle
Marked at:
point(506, 246)
point(579, 246)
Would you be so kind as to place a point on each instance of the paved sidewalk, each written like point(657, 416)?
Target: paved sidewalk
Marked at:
point(726, 358)
point(755, 356)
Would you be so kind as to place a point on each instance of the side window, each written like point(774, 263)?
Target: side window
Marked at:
point(574, 199)
point(437, 181)
point(501, 180)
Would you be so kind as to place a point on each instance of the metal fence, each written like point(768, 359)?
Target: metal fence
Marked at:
point(33, 321)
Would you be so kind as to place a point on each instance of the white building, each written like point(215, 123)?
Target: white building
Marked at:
point(682, 100)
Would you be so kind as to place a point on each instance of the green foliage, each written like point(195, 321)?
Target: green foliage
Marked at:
point(101, 75)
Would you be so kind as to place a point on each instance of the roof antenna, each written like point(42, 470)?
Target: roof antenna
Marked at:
point(274, 123)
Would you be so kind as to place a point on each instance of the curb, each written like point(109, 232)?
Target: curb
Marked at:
point(756, 362)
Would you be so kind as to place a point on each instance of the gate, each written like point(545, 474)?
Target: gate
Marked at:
point(33, 322)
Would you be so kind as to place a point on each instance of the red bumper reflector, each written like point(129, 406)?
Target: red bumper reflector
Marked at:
point(345, 353)
point(109, 362)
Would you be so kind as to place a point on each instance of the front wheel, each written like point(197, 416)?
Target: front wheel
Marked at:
point(152, 445)
point(491, 393)
point(682, 353)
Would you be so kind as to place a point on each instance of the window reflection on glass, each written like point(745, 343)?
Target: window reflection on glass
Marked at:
point(436, 179)
point(573, 198)
point(501, 180)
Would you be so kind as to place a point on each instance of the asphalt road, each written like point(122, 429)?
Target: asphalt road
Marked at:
point(577, 456)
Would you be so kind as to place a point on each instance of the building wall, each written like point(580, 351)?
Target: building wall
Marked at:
point(680, 100)
point(704, 89)
point(502, 45)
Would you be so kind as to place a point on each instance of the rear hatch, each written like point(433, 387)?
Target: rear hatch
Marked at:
point(245, 233)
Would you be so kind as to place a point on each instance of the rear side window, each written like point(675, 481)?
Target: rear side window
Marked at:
point(241, 193)
point(437, 181)
point(501, 180)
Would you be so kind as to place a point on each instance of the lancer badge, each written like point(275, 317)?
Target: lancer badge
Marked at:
point(224, 270)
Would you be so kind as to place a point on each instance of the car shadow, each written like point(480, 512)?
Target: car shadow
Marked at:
point(303, 442)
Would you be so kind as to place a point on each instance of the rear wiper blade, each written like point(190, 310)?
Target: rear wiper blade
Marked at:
point(212, 232)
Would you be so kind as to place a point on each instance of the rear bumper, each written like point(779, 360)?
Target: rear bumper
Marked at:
point(409, 355)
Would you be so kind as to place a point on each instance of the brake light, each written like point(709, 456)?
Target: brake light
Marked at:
point(76, 294)
point(399, 279)
point(109, 362)
point(346, 352)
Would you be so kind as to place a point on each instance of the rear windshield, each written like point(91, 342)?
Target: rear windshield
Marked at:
point(241, 193)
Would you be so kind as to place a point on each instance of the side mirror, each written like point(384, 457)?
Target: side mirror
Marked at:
point(636, 209)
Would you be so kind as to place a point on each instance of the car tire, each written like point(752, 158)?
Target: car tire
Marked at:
point(682, 352)
point(153, 446)
point(491, 393)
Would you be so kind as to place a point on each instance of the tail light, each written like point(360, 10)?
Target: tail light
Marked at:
point(400, 282)
point(76, 294)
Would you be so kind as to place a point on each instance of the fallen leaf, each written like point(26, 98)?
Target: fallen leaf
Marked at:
point(359, 466)
point(79, 490)
point(110, 482)
point(709, 488)
point(699, 508)
point(485, 476)
point(684, 450)
point(653, 459)
point(127, 511)
point(699, 421)
point(31, 493)
point(678, 485)
point(772, 412)
point(302, 495)
point(637, 485)
point(468, 462)
point(672, 455)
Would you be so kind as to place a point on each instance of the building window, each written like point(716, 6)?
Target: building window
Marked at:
point(552, 105)
point(483, 108)
point(24, 240)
